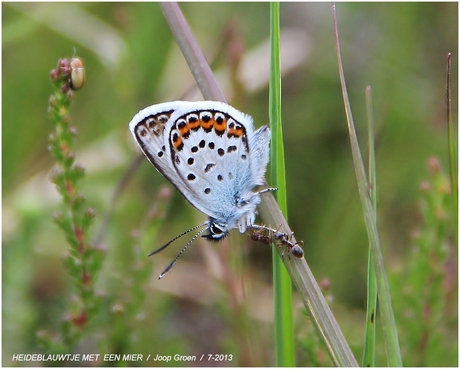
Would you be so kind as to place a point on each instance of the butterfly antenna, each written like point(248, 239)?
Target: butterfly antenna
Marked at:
point(179, 236)
point(183, 250)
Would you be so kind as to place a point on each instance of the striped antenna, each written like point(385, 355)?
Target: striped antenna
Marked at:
point(179, 236)
point(182, 251)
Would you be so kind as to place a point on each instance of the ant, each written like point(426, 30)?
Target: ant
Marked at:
point(275, 235)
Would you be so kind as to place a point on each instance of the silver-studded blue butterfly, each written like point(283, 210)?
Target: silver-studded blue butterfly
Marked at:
point(211, 153)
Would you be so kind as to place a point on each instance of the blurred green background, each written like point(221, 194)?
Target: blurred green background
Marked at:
point(131, 61)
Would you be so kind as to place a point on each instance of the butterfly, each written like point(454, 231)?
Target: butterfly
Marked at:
point(212, 154)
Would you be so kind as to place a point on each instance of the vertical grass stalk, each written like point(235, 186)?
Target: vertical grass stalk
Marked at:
point(371, 312)
point(284, 331)
point(386, 309)
point(451, 138)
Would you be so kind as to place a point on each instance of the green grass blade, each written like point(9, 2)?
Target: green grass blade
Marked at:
point(284, 330)
point(386, 309)
point(369, 340)
point(451, 139)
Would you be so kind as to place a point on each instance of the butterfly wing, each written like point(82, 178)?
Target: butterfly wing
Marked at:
point(209, 151)
point(152, 129)
point(259, 144)
point(148, 128)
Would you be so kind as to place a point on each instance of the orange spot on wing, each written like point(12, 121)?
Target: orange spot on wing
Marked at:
point(194, 125)
point(207, 125)
point(235, 132)
point(178, 143)
point(184, 130)
point(220, 127)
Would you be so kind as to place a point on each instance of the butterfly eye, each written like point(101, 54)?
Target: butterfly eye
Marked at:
point(216, 232)
point(215, 229)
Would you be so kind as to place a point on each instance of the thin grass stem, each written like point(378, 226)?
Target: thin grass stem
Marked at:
point(284, 330)
point(451, 138)
point(371, 311)
point(194, 56)
point(388, 321)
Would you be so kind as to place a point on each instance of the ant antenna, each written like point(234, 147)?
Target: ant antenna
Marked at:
point(262, 227)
